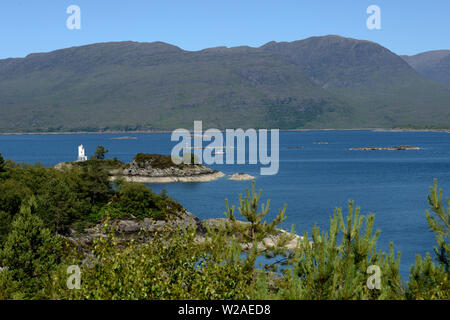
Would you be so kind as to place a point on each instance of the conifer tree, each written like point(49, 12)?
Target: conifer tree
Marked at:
point(334, 264)
point(2, 164)
point(100, 153)
point(439, 222)
point(58, 206)
point(255, 230)
point(30, 251)
point(427, 280)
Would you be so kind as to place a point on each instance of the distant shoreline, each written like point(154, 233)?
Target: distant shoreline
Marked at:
point(169, 131)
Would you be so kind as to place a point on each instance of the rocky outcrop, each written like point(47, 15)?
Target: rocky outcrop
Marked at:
point(148, 173)
point(144, 230)
point(63, 165)
point(124, 138)
point(241, 176)
point(386, 148)
point(268, 242)
point(140, 230)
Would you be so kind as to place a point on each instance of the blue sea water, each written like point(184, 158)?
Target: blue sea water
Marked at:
point(312, 180)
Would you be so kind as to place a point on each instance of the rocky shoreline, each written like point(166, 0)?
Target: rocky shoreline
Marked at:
point(201, 177)
point(151, 171)
point(144, 230)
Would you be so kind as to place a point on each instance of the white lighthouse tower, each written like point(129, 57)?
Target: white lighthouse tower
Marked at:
point(81, 153)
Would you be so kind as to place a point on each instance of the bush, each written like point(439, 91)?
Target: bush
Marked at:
point(157, 161)
point(171, 266)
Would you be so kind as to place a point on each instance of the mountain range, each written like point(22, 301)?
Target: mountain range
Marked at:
point(319, 82)
point(434, 65)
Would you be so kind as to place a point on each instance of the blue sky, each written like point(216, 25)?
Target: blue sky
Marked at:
point(407, 27)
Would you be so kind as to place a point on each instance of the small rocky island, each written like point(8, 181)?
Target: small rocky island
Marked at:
point(241, 176)
point(124, 138)
point(399, 148)
point(152, 168)
point(155, 168)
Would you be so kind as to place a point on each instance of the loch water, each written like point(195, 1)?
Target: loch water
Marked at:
point(313, 178)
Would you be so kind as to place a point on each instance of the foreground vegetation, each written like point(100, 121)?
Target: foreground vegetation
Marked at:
point(39, 207)
point(75, 196)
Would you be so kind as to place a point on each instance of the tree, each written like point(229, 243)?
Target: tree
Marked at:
point(138, 200)
point(2, 164)
point(93, 184)
point(255, 230)
point(100, 153)
point(12, 195)
point(334, 264)
point(30, 251)
point(427, 280)
point(58, 206)
point(439, 224)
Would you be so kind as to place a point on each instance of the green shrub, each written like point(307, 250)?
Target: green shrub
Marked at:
point(334, 264)
point(157, 161)
point(30, 253)
point(427, 280)
point(171, 266)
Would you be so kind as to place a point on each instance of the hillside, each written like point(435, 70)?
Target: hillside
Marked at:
point(434, 65)
point(320, 82)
